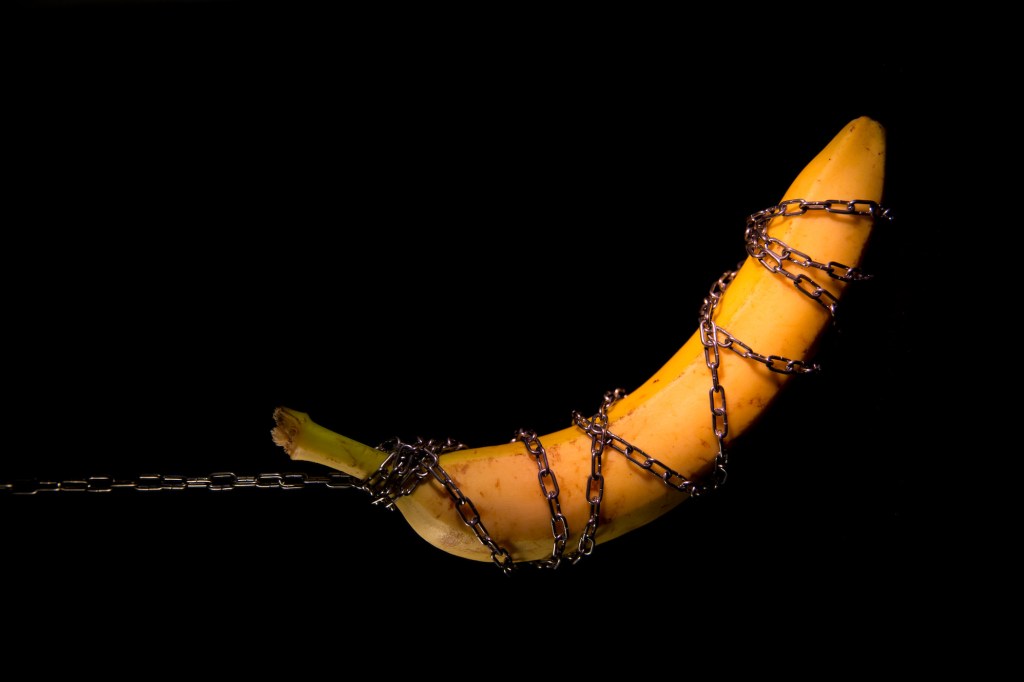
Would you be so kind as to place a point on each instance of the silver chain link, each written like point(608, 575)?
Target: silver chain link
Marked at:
point(407, 465)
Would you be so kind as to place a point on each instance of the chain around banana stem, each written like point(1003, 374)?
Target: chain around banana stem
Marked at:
point(405, 467)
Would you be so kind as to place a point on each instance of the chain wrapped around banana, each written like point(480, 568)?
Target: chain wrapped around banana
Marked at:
point(645, 451)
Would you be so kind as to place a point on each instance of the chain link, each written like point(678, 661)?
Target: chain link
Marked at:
point(407, 465)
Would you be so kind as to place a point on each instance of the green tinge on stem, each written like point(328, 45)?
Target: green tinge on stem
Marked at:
point(305, 440)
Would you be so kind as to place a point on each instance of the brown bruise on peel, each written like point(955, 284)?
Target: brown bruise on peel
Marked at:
point(554, 456)
point(456, 470)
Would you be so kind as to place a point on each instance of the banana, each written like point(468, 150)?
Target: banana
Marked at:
point(530, 499)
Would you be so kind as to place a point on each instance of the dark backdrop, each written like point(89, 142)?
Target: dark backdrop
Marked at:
point(406, 228)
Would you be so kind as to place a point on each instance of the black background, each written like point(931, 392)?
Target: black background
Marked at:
point(405, 227)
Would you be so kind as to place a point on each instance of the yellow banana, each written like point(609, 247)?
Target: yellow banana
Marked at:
point(535, 498)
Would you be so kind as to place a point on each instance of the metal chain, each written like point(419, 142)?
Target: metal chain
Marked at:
point(669, 476)
point(712, 358)
point(471, 517)
point(150, 482)
point(775, 363)
point(406, 465)
point(597, 428)
point(714, 337)
point(760, 245)
point(549, 488)
point(409, 464)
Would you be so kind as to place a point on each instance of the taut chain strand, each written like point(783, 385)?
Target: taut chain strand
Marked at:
point(548, 488)
point(151, 482)
point(407, 465)
point(597, 429)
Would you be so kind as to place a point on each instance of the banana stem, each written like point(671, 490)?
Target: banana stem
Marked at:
point(305, 440)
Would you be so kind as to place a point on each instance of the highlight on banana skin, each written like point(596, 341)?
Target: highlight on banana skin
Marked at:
point(552, 498)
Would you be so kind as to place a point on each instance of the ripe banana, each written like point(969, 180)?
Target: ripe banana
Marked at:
point(487, 505)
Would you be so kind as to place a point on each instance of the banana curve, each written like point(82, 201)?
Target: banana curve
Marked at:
point(669, 415)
